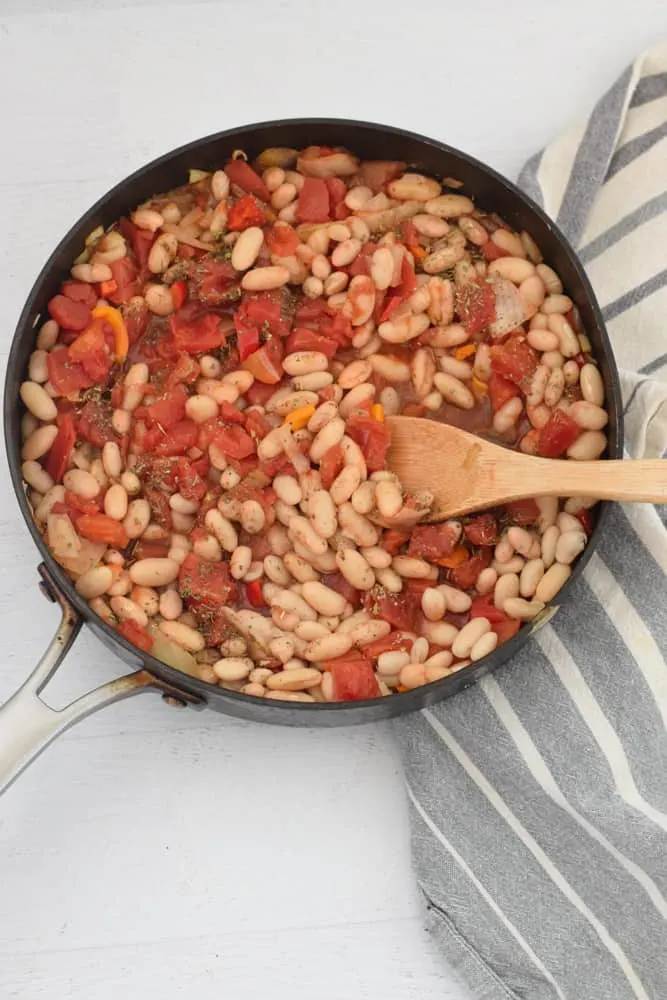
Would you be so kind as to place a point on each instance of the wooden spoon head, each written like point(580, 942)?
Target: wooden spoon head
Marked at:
point(457, 467)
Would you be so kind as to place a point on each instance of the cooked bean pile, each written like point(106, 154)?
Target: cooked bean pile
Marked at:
point(204, 442)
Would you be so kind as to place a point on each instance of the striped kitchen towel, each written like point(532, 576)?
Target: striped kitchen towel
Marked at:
point(539, 797)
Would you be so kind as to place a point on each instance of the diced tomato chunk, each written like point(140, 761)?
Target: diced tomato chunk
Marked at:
point(310, 311)
point(338, 328)
point(244, 213)
point(266, 363)
point(313, 201)
point(281, 240)
point(92, 352)
point(234, 442)
point(483, 607)
point(259, 392)
point(262, 311)
point(482, 530)
point(353, 678)
point(465, 576)
point(371, 436)
point(558, 434)
point(247, 342)
point(337, 191)
point(302, 339)
point(206, 585)
point(80, 291)
point(136, 318)
point(393, 540)
point(506, 630)
point(135, 634)
point(258, 424)
point(376, 174)
point(167, 409)
point(432, 541)
point(476, 305)
point(57, 461)
point(67, 377)
point(125, 275)
point(197, 335)
point(179, 439)
point(254, 595)
point(514, 360)
point(102, 528)
point(492, 252)
point(94, 423)
point(331, 464)
point(501, 390)
point(242, 174)
point(69, 314)
point(522, 512)
point(400, 610)
point(141, 240)
point(388, 643)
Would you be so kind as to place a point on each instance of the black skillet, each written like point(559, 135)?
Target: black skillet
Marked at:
point(27, 725)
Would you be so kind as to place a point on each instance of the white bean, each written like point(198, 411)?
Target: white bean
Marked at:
point(253, 517)
point(592, 386)
point(548, 544)
point(505, 418)
point(246, 249)
point(39, 442)
point(154, 572)
point(83, 483)
point(522, 610)
point(454, 391)
point(589, 416)
point(355, 568)
point(506, 586)
point(322, 514)
point(531, 574)
point(183, 635)
point(262, 279)
point(569, 545)
point(137, 518)
point(223, 529)
point(38, 401)
point(116, 502)
point(328, 647)
point(588, 446)
point(94, 582)
point(485, 645)
point(458, 602)
point(552, 581)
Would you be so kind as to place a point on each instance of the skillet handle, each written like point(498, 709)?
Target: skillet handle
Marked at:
point(28, 725)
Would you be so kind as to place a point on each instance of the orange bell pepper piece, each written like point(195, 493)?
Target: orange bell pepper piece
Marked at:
point(455, 558)
point(115, 320)
point(377, 412)
point(464, 351)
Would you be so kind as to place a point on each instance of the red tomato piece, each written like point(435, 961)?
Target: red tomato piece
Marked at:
point(281, 240)
point(432, 541)
point(522, 512)
point(206, 585)
point(91, 351)
point(557, 435)
point(254, 595)
point(302, 339)
point(80, 291)
point(493, 252)
point(244, 213)
point(408, 279)
point(505, 630)
point(213, 280)
point(409, 234)
point(376, 174)
point(331, 464)
point(483, 530)
point(483, 607)
point(266, 363)
point(393, 540)
point(258, 425)
point(338, 328)
point(94, 423)
point(66, 376)
point(310, 311)
point(135, 634)
point(102, 528)
point(342, 586)
point(195, 336)
point(234, 442)
point(259, 392)
point(585, 517)
point(501, 390)
point(136, 318)
point(185, 369)
point(229, 414)
point(337, 190)
point(371, 436)
point(151, 550)
point(125, 275)
point(247, 342)
point(56, 462)
point(242, 174)
point(476, 305)
point(167, 410)
point(179, 439)
point(313, 201)
point(465, 576)
point(190, 483)
point(262, 311)
point(514, 360)
point(353, 678)
point(387, 644)
point(179, 293)
point(160, 509)
point(400, 610)
point(69, 314)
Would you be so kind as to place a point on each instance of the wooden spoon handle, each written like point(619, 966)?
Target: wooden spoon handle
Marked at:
point(643, 480)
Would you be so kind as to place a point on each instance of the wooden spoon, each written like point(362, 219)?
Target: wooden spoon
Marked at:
point(467, 473)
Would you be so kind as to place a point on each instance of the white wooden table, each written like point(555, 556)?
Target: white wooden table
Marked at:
point(152, 853)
